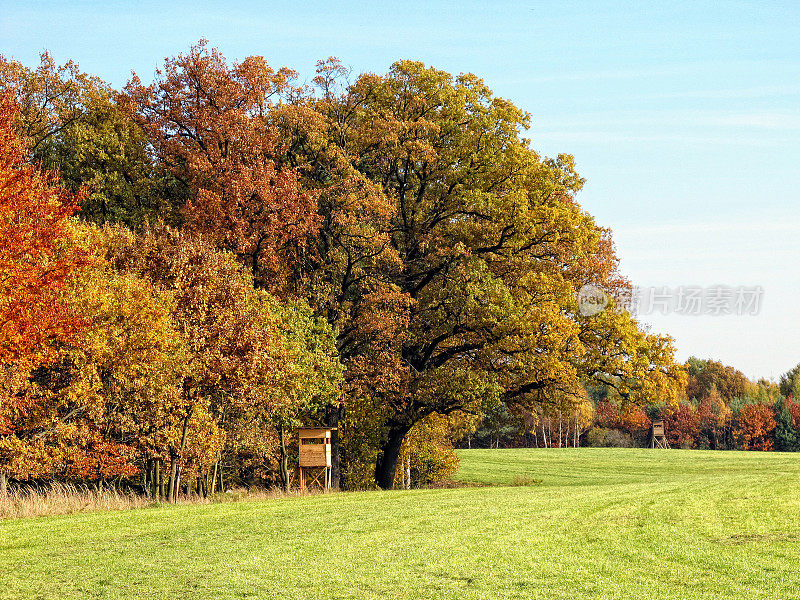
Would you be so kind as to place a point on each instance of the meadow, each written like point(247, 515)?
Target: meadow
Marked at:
point(533, 523)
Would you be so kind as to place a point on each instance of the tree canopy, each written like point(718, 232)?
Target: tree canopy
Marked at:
point(390, 244)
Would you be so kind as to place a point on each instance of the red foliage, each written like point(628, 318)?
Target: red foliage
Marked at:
point(606, 415)
point(794, 409)
point(631, 419)
point(682, 425)
point(209, 124)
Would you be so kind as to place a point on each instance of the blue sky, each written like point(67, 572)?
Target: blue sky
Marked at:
point(683, 118)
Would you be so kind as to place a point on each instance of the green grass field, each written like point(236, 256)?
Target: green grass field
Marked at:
point(601, 523)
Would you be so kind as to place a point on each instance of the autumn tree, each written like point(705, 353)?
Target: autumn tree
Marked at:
point(755, 425)
point(705, 375)
point(629, 418)
point(682, 425)
point(714, 417)
point(252, 359)
point(110, 400)
point(34, 268)
point(76, 129)
point(209, 125)
point(50, 99)
point(490, 251)
point(231, 356)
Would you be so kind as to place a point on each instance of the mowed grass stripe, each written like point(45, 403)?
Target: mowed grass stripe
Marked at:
point(603, 523)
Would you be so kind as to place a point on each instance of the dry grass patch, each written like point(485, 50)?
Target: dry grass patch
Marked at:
point(64, 499)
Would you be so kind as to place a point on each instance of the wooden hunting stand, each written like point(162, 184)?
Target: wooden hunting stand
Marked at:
point(658, 438)
point(314, 457)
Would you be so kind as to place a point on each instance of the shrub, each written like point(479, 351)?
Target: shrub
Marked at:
point(601, 437)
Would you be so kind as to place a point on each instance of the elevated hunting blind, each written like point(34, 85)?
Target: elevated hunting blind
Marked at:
point(314, 457)
point(658, 437)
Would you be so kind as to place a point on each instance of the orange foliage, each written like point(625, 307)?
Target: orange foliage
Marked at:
point(630, 418)
point(755, 426)
point(34, 268)
point(209, 125)
point(794, 409)
point(33, 218)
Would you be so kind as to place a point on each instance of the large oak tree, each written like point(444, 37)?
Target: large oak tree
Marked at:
point(491, 249)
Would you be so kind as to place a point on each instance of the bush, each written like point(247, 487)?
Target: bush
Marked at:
point(601, 437)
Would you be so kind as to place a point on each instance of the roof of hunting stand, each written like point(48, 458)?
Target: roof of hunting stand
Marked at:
point(317, 429)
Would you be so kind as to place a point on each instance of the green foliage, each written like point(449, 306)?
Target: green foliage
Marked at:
point(498, 424)
point(313, 366)
point(790, 383)
point(105, 153)
point(77, 129)
point(787, 437)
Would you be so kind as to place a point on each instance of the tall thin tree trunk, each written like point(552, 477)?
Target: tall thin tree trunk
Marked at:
point(284, 461)
point(184, 433)
point(575, 435)
point(173, 477)
point(214, 478)
point(3, 484)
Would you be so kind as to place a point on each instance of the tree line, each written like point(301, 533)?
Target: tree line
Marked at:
point(717, 409)
point(194, 266)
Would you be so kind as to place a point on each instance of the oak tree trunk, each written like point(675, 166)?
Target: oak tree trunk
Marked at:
point(386, 465)
point(162, 491)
